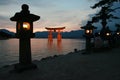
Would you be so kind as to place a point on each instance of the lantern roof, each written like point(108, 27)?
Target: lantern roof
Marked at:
point(25, 15)
point(117, 30)
point(107, 29)
point(89, 26)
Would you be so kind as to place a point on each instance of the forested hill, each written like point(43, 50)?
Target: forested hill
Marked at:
point(5, 34)
point(72, 34)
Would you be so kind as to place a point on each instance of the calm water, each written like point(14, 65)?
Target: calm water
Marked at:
point(9, 49)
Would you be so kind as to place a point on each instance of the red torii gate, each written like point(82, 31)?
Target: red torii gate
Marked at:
point(59, 36)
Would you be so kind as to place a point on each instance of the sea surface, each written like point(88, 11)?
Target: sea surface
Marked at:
point(40, 48)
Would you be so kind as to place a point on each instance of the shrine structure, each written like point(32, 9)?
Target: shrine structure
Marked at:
point(59, 36)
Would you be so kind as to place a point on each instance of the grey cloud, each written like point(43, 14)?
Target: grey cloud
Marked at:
point(3, 18)
point(44, 3)
point(6, 2)
point(84, 22)
point(93, 0)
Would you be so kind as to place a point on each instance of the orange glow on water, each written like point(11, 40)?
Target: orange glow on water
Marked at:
point(52, 45)
point(59, 45)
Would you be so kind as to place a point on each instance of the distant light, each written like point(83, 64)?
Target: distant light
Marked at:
point(107, 34)
point(99, 33)
point(87, 31)
point(118, 33)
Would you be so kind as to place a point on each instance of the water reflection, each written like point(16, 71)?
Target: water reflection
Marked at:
point(53, 46)
point(59, 45)
point(50, 44)
point(9, 49)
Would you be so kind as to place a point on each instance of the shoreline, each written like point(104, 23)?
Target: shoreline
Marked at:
point(11, 52)
point(49, 57)
point(72, 66)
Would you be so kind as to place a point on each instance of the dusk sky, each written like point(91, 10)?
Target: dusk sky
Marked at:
point(54, 13)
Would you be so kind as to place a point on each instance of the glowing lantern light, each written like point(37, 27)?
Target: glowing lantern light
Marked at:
point(26, 26)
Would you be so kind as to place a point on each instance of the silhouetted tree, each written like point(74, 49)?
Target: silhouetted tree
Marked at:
point(106, 11)
point(118, 25)
point(102, 3)
point(105, 14)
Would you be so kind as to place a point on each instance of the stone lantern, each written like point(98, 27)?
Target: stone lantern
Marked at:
point(88, 35)
point(24, 31)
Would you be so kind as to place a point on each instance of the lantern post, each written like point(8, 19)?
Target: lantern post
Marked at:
point(117, 36)
point(118, 31)
point(24, 31)
point(88, 35)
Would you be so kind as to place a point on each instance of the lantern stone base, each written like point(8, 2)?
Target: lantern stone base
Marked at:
point(23, 67)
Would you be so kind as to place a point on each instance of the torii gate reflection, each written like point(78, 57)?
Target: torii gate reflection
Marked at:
point(59, 36)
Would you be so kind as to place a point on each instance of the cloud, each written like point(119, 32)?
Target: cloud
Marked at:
point(43, 3)
point(6, 2)
point(5, 22)
point(3, 17)
point(93, 0)
point(52, 12)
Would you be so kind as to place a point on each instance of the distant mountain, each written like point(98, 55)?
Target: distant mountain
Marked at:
point(43, 34)
point(72, 34)
point(4, 34)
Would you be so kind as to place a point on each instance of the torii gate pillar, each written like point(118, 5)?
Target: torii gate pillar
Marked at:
point(59, 36)
point(50, 37)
